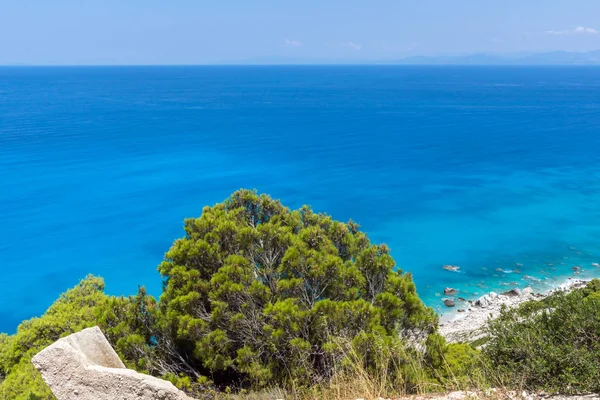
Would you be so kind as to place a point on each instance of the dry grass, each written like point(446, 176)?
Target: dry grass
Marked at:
point(355, 382)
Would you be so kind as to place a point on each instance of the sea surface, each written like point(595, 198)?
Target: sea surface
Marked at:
point(493, 169)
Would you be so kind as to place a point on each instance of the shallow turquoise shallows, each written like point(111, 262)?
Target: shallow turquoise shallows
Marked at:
point(496, 170)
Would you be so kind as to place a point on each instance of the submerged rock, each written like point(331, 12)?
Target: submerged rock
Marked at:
point(449, 302)
point(454, 268)
point(450, 291)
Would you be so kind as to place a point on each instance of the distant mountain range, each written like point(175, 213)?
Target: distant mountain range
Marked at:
point(549, 58)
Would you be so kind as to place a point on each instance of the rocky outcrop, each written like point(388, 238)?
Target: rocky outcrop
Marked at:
point(84, 366)
point(486, 300)
point(513, 292)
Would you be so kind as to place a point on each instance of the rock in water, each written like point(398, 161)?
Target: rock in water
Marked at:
point(449, 291)
point(84, 366)
point(513, 293)
point(449, 303)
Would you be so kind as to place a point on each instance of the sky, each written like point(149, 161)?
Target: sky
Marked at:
point(84, 32)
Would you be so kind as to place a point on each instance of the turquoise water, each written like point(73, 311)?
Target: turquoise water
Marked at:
point(496, 170)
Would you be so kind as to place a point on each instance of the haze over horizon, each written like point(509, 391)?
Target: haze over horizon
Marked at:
point(69, 32)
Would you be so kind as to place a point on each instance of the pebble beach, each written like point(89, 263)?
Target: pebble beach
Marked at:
point(469, 325)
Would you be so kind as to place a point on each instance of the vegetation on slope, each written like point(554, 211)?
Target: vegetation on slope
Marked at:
point(255, 295)
point(553, 344)
point(258, 296)
point(73, 311)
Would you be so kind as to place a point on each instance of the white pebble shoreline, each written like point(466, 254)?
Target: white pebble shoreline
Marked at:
point(468, 326)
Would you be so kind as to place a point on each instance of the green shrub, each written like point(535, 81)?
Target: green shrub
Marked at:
point(552, 344)
point(256, 293)
point(130, 324)
point(72, 312)
point(464, 367)
point(122, 320)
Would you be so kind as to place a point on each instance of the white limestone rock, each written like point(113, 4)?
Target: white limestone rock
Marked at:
point(528, 291)
point(483, 301)
point(84, 366)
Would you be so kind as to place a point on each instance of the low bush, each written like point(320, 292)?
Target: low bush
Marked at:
point(123, 319)
point(552, 345)
point(73, 311)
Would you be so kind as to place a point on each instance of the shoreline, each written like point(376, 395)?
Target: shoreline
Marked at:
point(468, 325)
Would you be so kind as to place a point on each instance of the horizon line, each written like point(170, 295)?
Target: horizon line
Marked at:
point(333, 64)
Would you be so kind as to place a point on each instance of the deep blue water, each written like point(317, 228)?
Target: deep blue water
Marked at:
point(482, 167)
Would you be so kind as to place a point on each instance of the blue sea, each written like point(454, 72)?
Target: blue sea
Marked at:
point(493, 169)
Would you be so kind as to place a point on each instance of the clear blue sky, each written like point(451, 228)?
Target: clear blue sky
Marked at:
point(202, 31)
